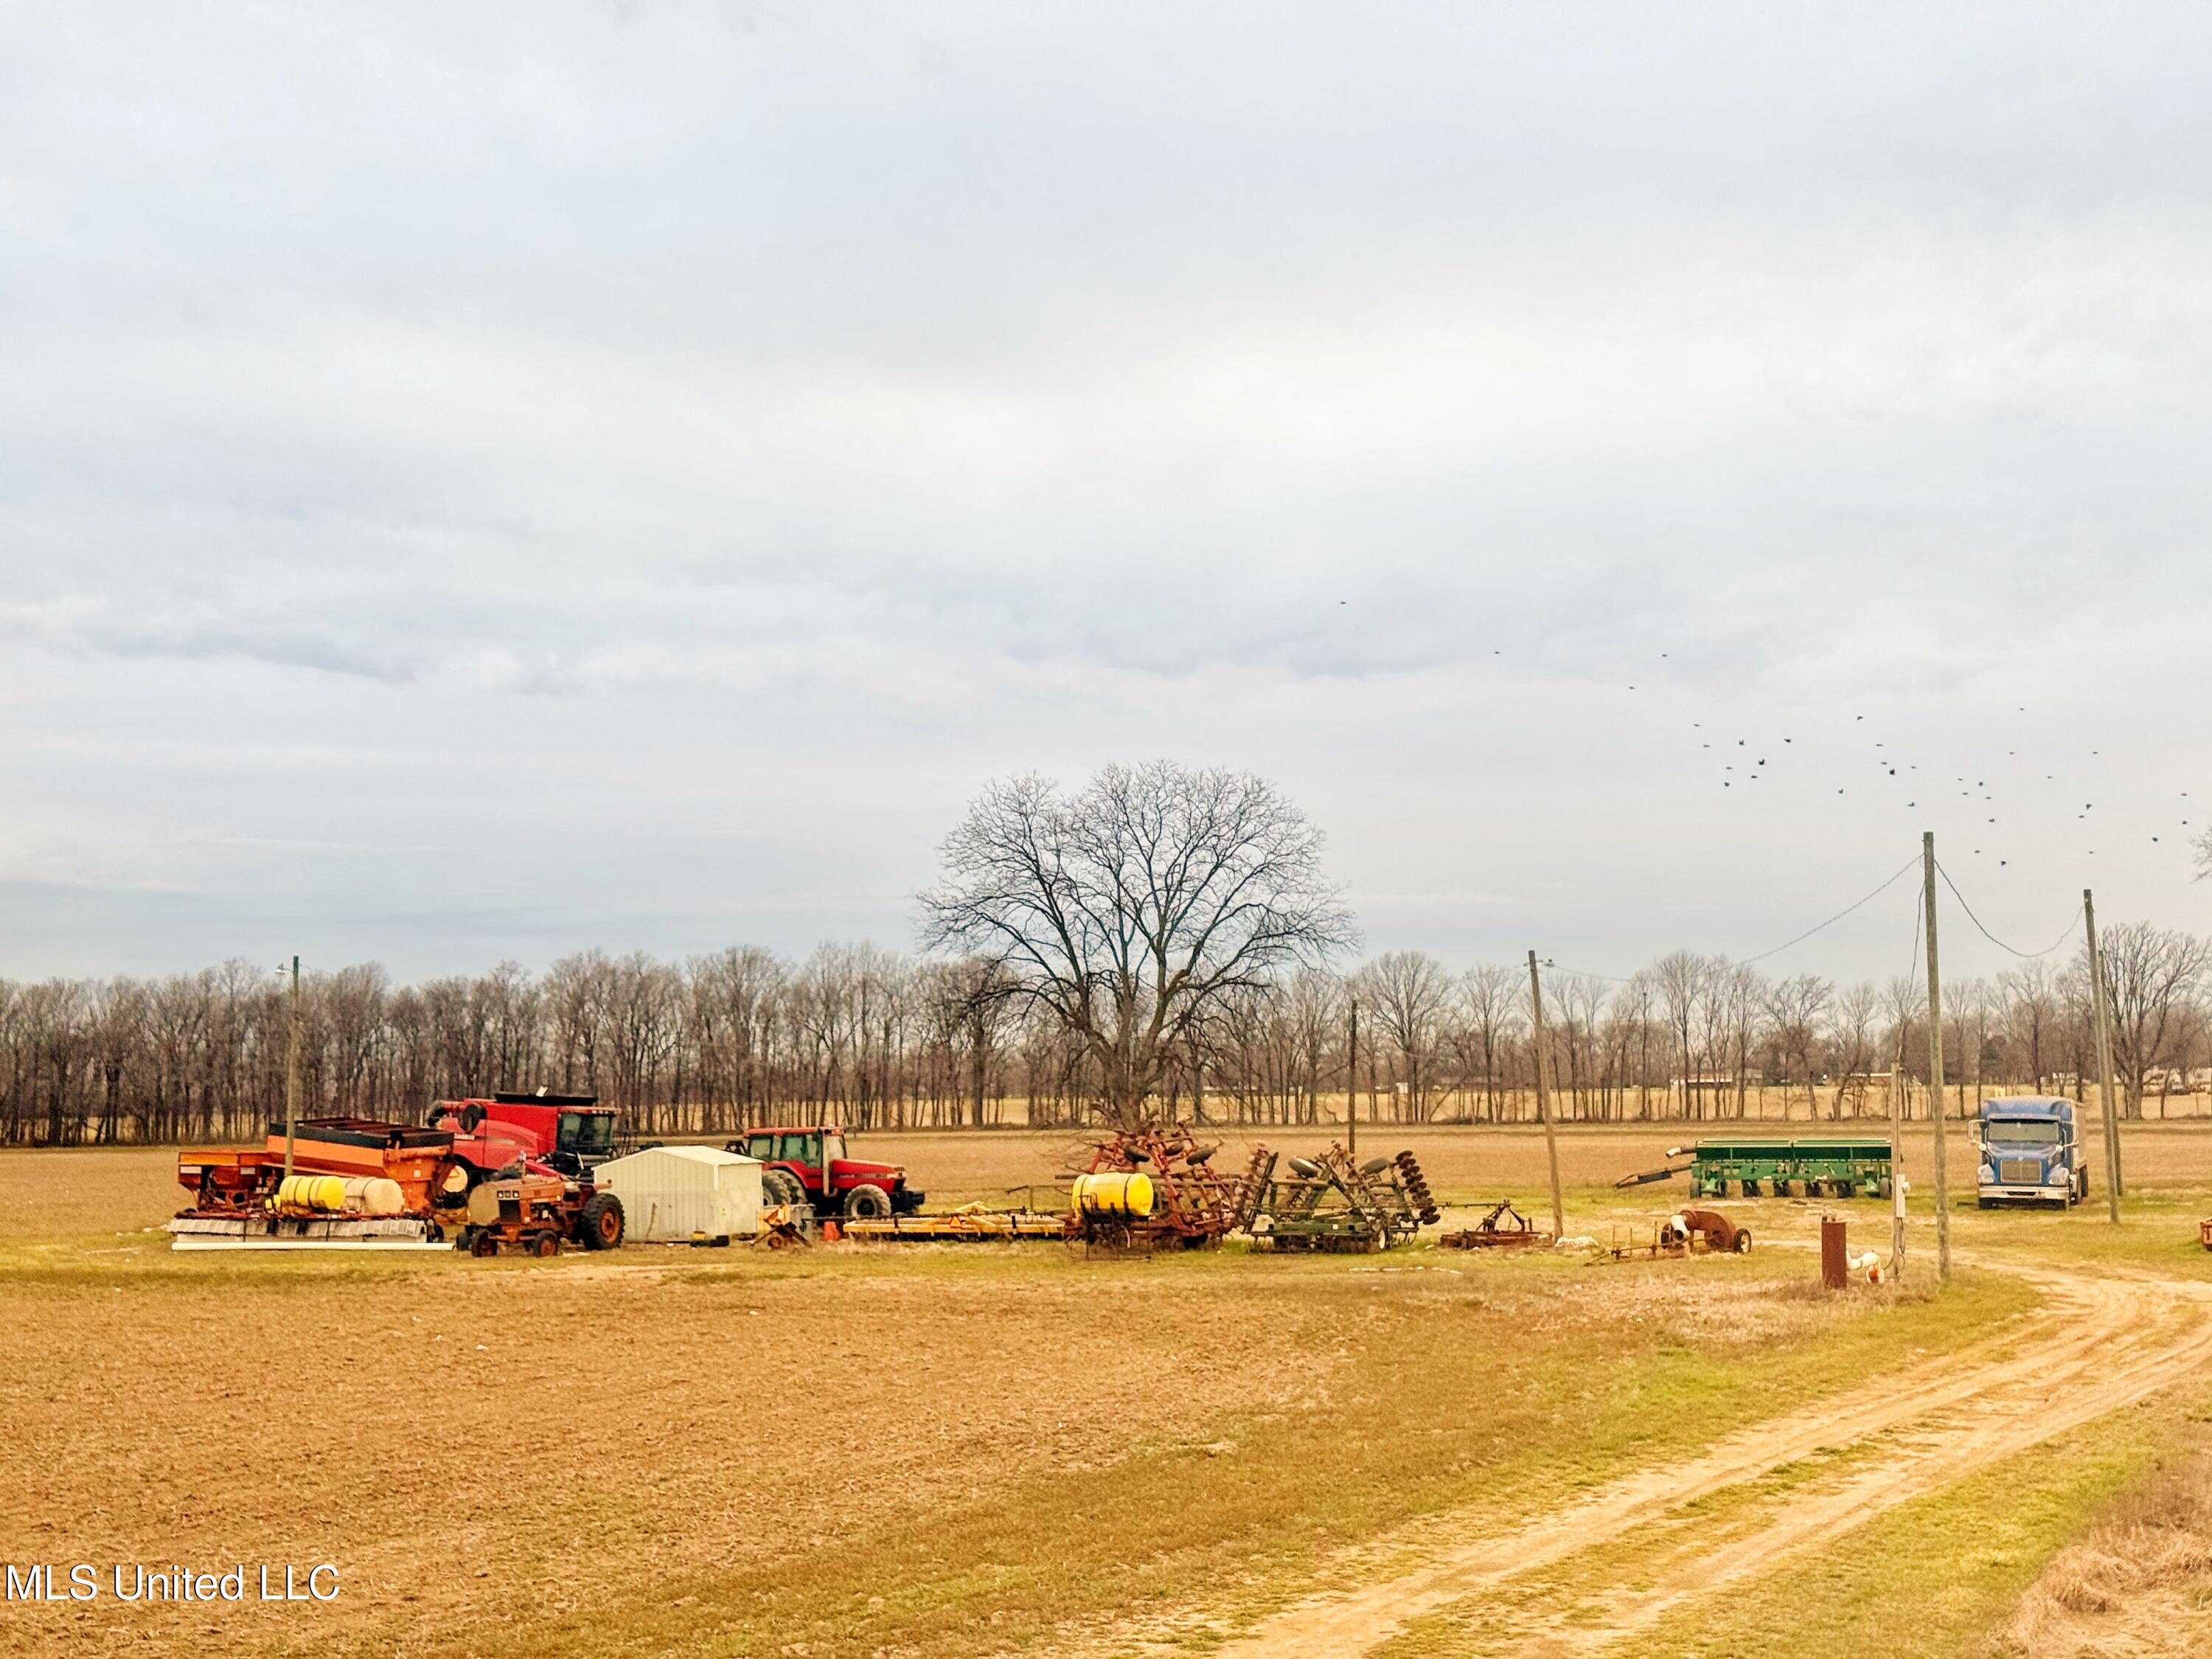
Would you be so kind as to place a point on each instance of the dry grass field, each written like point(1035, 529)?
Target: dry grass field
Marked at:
point(1468, 1166)
point(956, 1450)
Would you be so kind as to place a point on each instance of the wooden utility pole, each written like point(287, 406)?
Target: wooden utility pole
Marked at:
point(1351, 1083)
point(292, 1075)
point(1544, 1099)
point(1897, 1161)
point(2113, 1188)
point(1936, 1061)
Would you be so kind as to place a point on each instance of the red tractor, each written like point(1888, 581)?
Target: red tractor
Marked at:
point(809, 1166)
point(573, 1134)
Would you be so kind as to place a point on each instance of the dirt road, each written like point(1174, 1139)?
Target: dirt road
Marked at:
point(2098, 1343)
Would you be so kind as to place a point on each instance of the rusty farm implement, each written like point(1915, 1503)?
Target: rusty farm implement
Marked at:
point(357, 1184)
point(1330, 1203)
point(1149, 1188)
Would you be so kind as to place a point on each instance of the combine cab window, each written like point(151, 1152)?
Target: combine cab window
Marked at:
point(2001, 1134)
point(589, 1135)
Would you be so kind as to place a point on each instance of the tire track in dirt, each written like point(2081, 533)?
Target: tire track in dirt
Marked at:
point(2099, 1344)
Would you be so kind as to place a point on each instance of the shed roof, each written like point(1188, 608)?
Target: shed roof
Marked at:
point(693, 1154)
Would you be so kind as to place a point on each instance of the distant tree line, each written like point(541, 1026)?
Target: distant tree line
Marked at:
point(1692, 1036)
point(877, 1039)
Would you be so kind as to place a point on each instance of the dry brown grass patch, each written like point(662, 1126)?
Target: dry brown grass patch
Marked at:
point(2139, 1584)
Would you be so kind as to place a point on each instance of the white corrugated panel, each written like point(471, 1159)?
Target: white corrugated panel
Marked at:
point(674, 1191)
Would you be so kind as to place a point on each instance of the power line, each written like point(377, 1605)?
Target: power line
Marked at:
point(1617, 979)
point(2025, 955)
point(1912, 972)
point(1550, 966)
point(1832, 920)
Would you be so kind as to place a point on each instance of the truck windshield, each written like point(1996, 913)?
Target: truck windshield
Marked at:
point(591, 1134)
point(2001, 1133)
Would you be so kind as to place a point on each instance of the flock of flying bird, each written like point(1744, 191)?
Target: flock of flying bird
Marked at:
point(1749, 768)
point(1889, 766)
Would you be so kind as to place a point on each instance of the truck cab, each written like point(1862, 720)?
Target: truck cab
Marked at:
point(807, 1165)
point(2030, 1153)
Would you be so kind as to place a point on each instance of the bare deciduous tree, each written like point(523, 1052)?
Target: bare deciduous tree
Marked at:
point(2151, 975)
point(1407, 993)
point(1680, 978)
point(1851, 1025)
point(2031, 999)
point(1125, 911)
point(1491, 1001)
point(1794, 1007)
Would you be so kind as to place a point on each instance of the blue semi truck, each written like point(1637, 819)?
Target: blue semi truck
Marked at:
point(2030, 1153)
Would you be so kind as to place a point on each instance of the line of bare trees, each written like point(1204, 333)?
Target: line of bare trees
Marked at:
point(738, 1037)
point(881, 1040)
point(1693, 1038)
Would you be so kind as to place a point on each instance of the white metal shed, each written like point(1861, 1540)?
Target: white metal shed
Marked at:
point(675, 1192)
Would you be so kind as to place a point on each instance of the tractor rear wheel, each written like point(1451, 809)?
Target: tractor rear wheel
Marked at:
point(868, 1202)
point(600, 1226)
point(781, 1187)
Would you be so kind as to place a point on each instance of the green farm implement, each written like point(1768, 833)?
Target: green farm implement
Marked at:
point(1752, 1166)
point(1329, 1203)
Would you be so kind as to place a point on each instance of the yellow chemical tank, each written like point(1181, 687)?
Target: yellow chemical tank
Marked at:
point(1114, 1196)
point(305, 1192)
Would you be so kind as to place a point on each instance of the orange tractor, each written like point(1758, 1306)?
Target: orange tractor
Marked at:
point(532, 1207)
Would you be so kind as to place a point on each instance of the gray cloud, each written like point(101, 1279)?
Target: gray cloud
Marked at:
point(754, 427)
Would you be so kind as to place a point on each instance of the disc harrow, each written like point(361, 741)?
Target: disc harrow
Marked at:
point(1330, 1203)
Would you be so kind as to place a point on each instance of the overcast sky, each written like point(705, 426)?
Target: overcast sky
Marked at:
point(483, 481)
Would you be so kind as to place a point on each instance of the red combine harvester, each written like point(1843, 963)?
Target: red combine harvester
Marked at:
point(572, 1133)
point(807, 1165)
